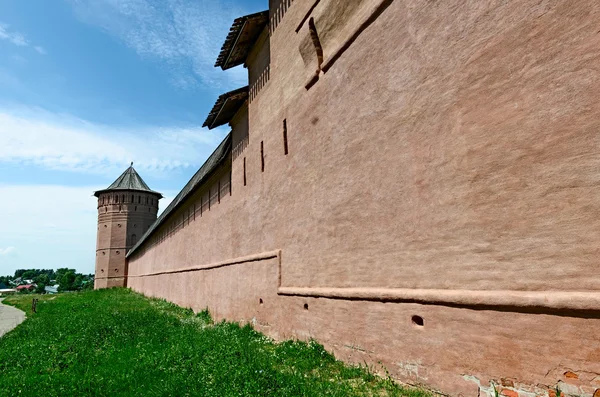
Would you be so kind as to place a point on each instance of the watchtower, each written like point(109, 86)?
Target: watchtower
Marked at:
point(126, 209)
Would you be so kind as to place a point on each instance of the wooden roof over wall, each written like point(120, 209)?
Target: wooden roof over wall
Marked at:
point(221, 153)
point(242, 36)
point(226, 107)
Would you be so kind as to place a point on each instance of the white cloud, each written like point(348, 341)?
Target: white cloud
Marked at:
point(185, 35)
point(19, 59)
point(53, 226)
point(7, 250)
point(17, 38)
point(14, 37)
point(62, 142)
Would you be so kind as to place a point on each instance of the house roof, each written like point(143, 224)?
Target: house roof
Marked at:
point(226, 107)
point(25, 286)
point(129, 180)
point(242, 36)
point(221, 153)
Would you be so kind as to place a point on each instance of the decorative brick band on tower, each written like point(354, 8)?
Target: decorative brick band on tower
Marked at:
point(126, 209)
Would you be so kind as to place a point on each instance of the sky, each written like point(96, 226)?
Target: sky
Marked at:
point(88, 86)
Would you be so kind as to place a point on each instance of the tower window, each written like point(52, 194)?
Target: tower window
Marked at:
point(244, 171)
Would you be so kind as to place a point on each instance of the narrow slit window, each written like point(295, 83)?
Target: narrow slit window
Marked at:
point(285, 138)
point(262, 157)
point(244, 171)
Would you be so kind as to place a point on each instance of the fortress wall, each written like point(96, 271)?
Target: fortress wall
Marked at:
point(444, 166)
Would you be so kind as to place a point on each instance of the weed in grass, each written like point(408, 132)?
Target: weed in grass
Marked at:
point(118, 343)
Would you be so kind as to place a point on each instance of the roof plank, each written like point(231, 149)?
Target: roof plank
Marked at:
point(226, 107)
point(242, 35)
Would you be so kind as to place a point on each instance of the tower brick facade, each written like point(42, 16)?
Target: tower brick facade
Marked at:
point(126, 209)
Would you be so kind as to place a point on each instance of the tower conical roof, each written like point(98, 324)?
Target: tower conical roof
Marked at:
point(129, 180)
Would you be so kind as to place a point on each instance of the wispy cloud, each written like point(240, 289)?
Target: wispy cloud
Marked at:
point(185, 35)
point(17, 38)
point(62, 142)
point(19, 59)
point(50, 236)
point(14, 37)
point(7, 250)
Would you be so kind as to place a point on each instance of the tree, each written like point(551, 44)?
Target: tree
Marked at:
point(28, 275)
point(42, 279)
point(40, 289)
point(78, 282)
point(66, 282)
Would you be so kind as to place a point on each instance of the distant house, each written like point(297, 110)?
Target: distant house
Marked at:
point(7, 291)
point(51, 289)
point(27, 287)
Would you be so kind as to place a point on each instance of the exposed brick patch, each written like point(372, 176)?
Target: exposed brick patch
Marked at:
point(507, 382)
point(571, 375)
point(597, 393)
point(509, 393)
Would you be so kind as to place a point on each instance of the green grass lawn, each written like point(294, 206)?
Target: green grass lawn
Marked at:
point(116, 342)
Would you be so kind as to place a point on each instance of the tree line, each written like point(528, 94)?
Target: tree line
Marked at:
point(67, 279)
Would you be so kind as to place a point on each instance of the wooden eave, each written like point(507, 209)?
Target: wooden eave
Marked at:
point(242, 35)
point(226, 107)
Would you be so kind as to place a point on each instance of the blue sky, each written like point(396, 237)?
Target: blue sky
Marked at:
point(86, 86)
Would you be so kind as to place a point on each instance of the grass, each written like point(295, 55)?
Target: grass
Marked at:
point(118, 343)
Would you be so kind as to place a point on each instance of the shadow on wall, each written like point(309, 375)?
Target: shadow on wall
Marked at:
point(278, 8)
point(240, 138)
point(259, 81)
